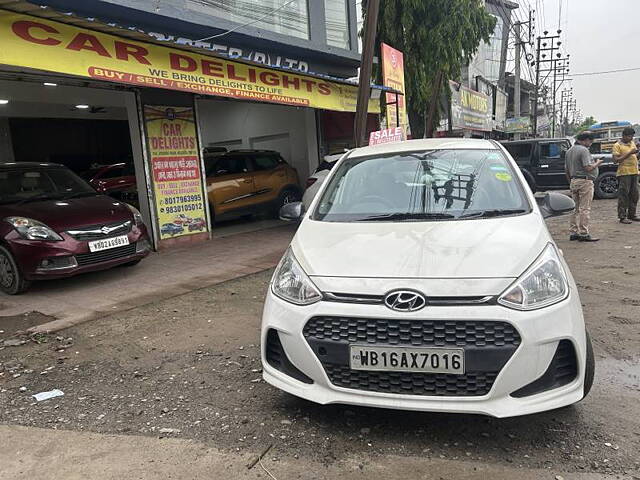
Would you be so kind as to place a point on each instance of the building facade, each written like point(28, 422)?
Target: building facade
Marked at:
point(318, 36)
point(158, 85)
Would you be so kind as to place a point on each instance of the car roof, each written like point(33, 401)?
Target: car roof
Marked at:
point(28, 165)
point(424, 144)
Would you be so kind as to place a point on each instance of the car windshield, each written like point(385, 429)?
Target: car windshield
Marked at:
point(31, 184)
point(423, 186)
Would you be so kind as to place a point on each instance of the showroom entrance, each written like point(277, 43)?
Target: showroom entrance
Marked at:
point(91, 129)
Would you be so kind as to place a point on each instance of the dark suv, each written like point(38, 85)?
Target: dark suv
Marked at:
point(542, 163)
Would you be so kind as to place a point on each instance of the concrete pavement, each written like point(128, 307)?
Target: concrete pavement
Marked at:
point(234, 252)
point(38, 454)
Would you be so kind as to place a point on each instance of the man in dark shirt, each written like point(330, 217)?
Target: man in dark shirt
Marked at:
point(581, 171)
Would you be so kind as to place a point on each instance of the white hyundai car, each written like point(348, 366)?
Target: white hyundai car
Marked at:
point(423, 277)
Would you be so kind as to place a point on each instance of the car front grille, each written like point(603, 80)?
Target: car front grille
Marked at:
point(428, 333)
point(94, 232)
point(429, 384)
point(488, 345)
point(106, 255)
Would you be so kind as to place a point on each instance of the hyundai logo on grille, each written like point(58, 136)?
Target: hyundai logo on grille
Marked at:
point(405, 301)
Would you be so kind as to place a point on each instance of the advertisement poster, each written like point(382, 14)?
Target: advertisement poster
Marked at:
point(33, 42)
point(469, 109)
point(393, 76)
point(388, 135)
point(175, 167)
point(518, 125)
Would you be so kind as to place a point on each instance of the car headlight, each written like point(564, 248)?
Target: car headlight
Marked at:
point(543, 284)
point(137, 216)
point(30, 229)
point(292, 284)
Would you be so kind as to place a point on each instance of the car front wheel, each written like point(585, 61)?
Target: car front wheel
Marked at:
point(12, 280)
point(606, 185)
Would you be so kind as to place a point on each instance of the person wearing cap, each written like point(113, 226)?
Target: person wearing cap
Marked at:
point(625, 155)
point(581, 171)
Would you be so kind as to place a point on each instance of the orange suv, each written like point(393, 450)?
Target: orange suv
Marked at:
point(245, 182)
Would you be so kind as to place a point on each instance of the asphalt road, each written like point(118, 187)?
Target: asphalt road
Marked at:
point(188, 369)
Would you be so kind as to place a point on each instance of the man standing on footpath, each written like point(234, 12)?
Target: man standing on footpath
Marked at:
point(624, 154)
point(581, 171)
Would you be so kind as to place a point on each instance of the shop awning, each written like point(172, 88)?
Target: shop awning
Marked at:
point(42, 38)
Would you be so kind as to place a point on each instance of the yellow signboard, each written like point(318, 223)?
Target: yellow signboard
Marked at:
point(33, 42)
point(175, 167)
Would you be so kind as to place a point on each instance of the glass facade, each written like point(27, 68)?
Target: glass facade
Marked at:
point(337, 16)
point(288, 17)
point(493, 52)
point(360, 23)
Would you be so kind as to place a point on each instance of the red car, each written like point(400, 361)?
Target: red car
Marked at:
point(197, 224)
point(54, 225)
point(110, 179)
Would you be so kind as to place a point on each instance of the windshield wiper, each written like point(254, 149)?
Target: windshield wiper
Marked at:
point(406, 216)
point(33, 198)
point(493, 213)
point(78, 194)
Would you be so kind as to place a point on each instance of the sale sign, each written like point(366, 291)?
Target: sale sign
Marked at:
point(175, 167)
point(34, 42)
point(393, 76)
point(388, 135)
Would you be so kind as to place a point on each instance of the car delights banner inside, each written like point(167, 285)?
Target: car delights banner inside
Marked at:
point(33, 42)
point(175, 170)
point(469, 109)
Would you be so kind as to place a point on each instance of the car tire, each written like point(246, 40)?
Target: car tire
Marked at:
point(590, 367)
point(12, 281)
point(606, 185)
point(288, 195)
point(530, 180)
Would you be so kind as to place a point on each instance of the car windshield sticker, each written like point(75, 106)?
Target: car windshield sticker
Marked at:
point(505, 177)
point(496, 167)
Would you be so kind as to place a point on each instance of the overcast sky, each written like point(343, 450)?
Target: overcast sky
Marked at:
point(600, 35)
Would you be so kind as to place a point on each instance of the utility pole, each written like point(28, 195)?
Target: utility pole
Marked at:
point(559, 65)
point(516, 88)
point(364, 86)
point(537, 92)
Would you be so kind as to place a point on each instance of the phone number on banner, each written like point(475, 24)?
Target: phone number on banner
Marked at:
point(189, 207)
point(182, 199)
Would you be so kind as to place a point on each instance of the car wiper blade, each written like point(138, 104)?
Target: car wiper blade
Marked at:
point(79, 194)
point(406, 216)
point(493, 213)
point(33, 198)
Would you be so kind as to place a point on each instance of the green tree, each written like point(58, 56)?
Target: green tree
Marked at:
point(575, 128)
point(437, 37)
point(586, 123)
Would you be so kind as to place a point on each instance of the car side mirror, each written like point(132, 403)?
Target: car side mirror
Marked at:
point(292, 212)
point(555, 204)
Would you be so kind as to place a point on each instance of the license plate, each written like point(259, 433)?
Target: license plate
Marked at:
point(107, 243)
point(407, 359)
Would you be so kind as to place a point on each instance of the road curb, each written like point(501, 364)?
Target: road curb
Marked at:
point(64, 323)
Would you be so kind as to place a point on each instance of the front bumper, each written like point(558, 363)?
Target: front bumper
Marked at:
point(72, 257)
point(540, 334)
